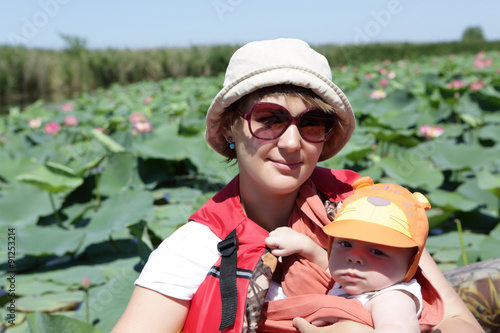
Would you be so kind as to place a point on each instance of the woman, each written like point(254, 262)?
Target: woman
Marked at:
point(278, 114)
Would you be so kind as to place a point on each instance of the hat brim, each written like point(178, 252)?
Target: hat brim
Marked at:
point(277, 75)
point(369, 232)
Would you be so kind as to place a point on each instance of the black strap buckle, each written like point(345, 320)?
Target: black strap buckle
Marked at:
point(227, 246)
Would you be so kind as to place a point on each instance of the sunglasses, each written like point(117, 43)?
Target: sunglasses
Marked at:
point(268, 121)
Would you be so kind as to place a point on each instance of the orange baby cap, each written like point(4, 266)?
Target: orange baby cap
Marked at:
point(385, 214)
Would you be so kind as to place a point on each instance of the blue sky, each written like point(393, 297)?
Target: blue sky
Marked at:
point(151, 24)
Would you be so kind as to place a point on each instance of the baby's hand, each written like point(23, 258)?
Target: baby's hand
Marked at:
point(285, 241)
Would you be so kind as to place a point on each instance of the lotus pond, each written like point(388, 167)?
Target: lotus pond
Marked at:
point(88, 188)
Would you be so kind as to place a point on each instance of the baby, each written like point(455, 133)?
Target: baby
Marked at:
point(376, 242)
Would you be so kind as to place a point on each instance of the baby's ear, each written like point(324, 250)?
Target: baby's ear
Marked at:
point(362, 182)
point(422, 200)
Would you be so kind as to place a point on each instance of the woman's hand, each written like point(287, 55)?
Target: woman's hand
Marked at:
point(341, 326)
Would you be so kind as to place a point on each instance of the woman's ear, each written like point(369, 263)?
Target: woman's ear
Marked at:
point(226, 132)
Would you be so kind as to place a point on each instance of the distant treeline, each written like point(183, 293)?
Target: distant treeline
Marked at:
point(39, 72)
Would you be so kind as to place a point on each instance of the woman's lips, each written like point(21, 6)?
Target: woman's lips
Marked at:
point(286, 165)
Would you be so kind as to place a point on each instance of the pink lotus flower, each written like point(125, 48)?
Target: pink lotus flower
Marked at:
point(67, 107)
point(480, 62)
point(52, 128)
point(147, 100)
point(383, 83)
point(391, 75)
point(71, 121)
point(86, 283)
point(477, 85)
point(368, 76)
point(35, 122)
point(378, 94)
point(456, 84)
point(453, 56)
point(480, 55)
point(99, 129)
point(431, 131)
point(137, 117)
point(143, 127)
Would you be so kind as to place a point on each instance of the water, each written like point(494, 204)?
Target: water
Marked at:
point(23, 101)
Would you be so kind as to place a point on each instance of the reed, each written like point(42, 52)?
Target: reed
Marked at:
point(36, 73)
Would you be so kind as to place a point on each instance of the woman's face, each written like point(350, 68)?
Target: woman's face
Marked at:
point(277, 166)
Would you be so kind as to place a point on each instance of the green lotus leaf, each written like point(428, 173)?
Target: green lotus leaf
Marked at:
point(116, 213)
point(437, 216)
point(32, 285)
point(22, 205)
point(107, 302)
point(111, 145)
point(399, 119)
point(490, 245)
point(48, 240)
point(10, 168)
point(471, 188)
point(118, 174)
point(52, 177)
point(488, 180)
point(453, 201)
point(64, 301)
point(40, 322)
point(466, 106)
point(167, 218)
point(490, 132)
point(449, 156)
point(410, 170)
point(488, 98)
point(358, 147)
point(396, 100)
point(446, 247)
point(167, 144)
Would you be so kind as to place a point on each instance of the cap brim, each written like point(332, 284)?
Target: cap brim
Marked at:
point(368, 232)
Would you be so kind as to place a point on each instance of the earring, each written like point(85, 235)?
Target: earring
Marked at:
point(231, 143)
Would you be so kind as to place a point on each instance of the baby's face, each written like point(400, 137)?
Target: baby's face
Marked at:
point(361, 266)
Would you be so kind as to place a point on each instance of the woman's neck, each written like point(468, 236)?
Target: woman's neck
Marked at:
point(267, 210)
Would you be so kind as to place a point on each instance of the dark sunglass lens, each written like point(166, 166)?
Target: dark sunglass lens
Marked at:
point(268, 121)
point(316, 125)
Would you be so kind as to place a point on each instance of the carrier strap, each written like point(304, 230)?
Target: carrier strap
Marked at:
point(227, 282)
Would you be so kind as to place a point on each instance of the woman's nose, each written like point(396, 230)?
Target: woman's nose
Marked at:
point(290, 139)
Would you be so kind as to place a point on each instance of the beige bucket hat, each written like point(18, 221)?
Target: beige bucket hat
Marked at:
point(281, 61)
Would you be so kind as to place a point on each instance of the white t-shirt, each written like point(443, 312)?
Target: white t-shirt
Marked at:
point(180, 264)
point(412, 286)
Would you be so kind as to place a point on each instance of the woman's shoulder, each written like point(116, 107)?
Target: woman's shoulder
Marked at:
point(180, 263)
point(191, 234)
point(336, 184)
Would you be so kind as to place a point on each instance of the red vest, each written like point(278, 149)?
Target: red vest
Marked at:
point(223, 214)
